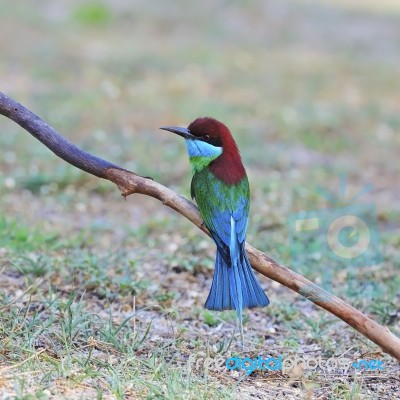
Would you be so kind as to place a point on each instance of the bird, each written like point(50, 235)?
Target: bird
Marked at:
point(221, 189)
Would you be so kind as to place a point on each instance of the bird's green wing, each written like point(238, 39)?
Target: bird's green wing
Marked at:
point(218, 203)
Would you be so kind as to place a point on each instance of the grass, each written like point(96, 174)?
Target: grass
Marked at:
point(103, 298)
point(63, 341)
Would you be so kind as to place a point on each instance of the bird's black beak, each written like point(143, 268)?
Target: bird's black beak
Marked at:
point(184, 132)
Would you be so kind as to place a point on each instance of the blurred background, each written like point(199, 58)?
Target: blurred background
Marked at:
point(310, 90)
point(303, 86)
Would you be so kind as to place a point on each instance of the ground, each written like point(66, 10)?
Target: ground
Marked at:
point(103, 298)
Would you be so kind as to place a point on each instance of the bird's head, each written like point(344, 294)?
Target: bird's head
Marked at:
point(205, 137)
point(209, 143)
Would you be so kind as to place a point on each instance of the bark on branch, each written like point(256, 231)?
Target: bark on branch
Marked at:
point(130, 183)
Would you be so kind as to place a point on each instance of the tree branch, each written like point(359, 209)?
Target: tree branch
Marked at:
point(130, 183)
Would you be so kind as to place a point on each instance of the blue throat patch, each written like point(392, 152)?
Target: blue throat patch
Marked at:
point(198, 148)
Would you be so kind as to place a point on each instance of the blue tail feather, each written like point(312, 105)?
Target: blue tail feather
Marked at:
point(220, 292)
point(236, 290)
point(235, 287)
point(255, 294)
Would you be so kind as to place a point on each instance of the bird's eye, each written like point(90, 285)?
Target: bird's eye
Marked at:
point(206, 137)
